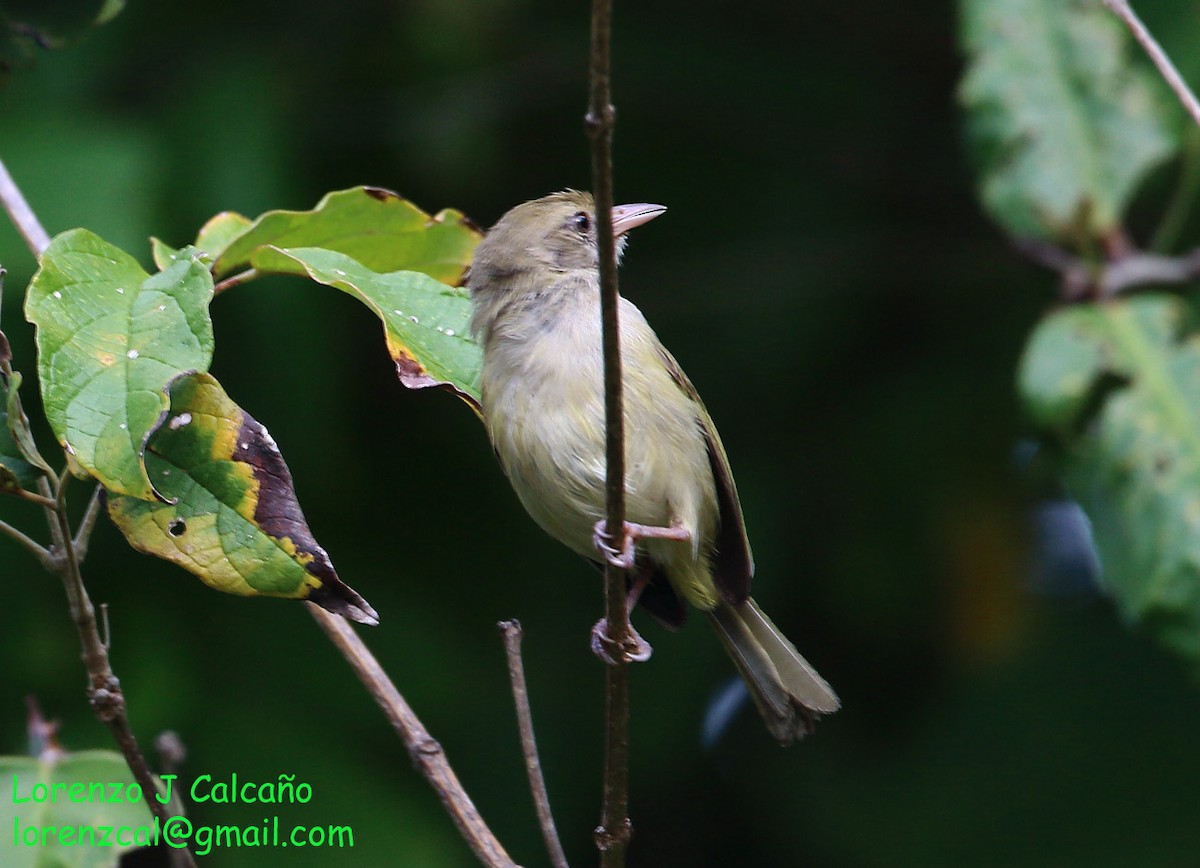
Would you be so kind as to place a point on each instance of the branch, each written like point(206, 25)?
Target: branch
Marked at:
point(1122, 10)
point(83, 534)
point(1121, 274)
point(104, 690)
point(427, 755)
point(512, 633)
point(612, 836)
point(21, 214)
point(234, 280)
point(31, 545)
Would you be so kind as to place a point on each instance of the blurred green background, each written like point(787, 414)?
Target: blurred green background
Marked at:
point(852, 321)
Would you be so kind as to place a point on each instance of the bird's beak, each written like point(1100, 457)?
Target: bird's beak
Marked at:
point(626, 217)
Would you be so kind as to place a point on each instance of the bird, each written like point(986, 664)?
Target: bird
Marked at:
point(535, 311)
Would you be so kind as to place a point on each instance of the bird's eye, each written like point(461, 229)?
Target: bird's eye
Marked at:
point(582, 221)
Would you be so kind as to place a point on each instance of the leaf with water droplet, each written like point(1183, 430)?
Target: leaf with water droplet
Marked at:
point(1065, 116)
point(1116, 387)
point(425, 321)
point(110, 340)
point(374, 226)
point(233, 518)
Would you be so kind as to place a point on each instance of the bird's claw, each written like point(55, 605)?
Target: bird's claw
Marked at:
point(634, 650)
point(624, 556)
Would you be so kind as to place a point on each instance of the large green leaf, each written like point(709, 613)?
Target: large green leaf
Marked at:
point(111, 338)
point(1117, 387)
point(425, 321)
point(40, 832)
point(1064, 121)
point(233, 518)
point(374, 226)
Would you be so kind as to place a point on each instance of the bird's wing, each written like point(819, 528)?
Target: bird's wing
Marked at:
point(732, 562)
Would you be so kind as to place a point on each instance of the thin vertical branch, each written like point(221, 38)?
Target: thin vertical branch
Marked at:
point(511, 630)
point(612, 836)
point(426, 754)
point(104, 690)
point(1124, 11)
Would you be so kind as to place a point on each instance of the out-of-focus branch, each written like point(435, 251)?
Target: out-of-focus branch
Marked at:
point(427, 755)
point(1124, 11)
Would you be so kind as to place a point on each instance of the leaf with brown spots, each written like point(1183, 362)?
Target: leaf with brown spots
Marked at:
point(233, 519)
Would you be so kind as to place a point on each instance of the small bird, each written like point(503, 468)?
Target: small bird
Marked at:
point(535, 293)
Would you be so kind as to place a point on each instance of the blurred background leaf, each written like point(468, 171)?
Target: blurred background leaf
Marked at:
point(1118, 385)
point(26, 813)
point(1066, 116)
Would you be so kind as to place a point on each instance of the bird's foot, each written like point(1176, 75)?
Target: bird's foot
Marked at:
point(623, 557)
point(634, 650)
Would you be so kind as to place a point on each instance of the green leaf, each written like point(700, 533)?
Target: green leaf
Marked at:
point(1064, 123)
point(425, 321)
point(20, 464)
point(233, 518)
point(374, 226)
point(26, 808)
point(1117, 386)
point(222, 230)
point(110, 339)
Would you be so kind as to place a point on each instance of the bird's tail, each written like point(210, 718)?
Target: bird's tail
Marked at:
point(789, 693)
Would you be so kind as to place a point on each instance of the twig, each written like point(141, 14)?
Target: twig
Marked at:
point(612, 836)
point(104, 690)
point(21, 214)
point(427, 755)
point(511, 630)
point(234, 280)
point(1127, 272)
point(32, 497)
point(1122, 10)
point(83, 533)
point(31, 545)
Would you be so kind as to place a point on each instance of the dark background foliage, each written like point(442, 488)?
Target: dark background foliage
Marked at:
point(853, 322)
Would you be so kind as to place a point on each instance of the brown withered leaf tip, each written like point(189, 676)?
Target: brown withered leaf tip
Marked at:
point(380, 193)
point(278, 513)
point(5, 350)
point(412, 373)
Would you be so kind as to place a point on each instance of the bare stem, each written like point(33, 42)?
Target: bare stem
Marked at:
point(1124, 11)
point(32, 497)
point(234, 280)
point(83, 533)
point(21, 214)
point(32, 546)
point(1126, 272)
point(512, 632)
point(427, 755)
point(104, 690)
point(612, 836)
